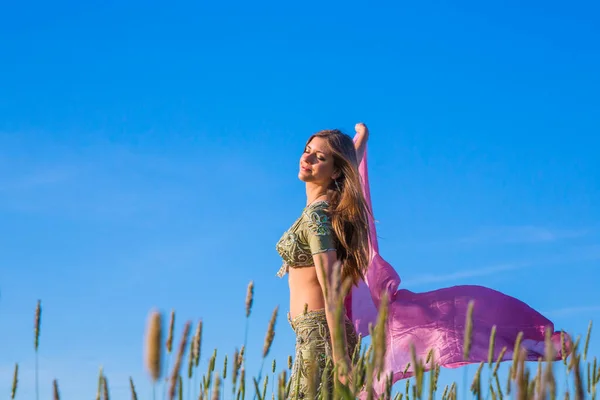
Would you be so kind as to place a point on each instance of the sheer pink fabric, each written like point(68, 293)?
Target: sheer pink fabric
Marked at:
point(436, 319)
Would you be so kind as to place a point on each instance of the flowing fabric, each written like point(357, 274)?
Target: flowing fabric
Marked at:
point(436, 319)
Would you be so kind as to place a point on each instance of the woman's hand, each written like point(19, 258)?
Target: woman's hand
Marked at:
point(361, 129)
point(344, 373)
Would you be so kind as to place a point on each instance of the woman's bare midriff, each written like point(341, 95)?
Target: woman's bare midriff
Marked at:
point(305, 289)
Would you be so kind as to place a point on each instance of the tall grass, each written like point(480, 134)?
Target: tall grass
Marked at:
point(581, 378)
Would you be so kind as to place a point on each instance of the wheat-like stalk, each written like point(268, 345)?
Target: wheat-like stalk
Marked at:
point(563, 348)
point(242, 382)
point(379, 338)
point(249, 298)
point(249, 301)
point(579, 392)
point(587, 341)
point(169, 346)
point(179, 360)
point(235, 367)
point(13, 390)
point(105, 391)
point(36, 343)
point(132, 387)
point(197, 343)
point(468, 330)
point(516, 351)
point(196, 349)
point(492, 346)
point(476, 384)
point(217, 389)
point(191, 361)
point(270, 333)
point(179, 388)
point(55, 393)
point(99, 390)
point(169, 342)
point(499, 360)
point(367, 365)
point(153, 345)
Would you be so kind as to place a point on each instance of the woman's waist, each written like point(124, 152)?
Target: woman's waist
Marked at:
point(304, 298)
point(309, 319)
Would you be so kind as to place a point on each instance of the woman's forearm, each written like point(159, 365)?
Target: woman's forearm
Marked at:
point(337, 330)
point(360, 144)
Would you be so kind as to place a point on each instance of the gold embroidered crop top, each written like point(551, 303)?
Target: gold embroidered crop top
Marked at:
point(310, 234)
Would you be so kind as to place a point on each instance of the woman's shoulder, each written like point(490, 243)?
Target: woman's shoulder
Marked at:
point(318, 205)
point(317, 218)
point(319, 208)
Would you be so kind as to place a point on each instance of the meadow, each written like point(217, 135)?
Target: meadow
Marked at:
point(173, 367)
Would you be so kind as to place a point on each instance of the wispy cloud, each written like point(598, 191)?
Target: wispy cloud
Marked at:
point(582, 254)
point(41, 177)
point(521, 234)
point(568, 311)
point(464, 274)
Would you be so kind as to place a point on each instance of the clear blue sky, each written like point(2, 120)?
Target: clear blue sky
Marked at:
point(148, 158)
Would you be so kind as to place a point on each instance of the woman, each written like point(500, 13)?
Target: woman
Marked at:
point(331, 233)
point(337, 229)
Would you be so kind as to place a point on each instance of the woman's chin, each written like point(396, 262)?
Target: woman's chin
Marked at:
point(303, 176)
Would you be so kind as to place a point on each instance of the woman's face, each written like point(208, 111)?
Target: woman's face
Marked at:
point(316, 163)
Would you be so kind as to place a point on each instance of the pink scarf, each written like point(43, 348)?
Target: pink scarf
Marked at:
point(436, 319)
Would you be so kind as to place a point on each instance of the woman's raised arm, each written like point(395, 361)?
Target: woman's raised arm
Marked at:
point(360, 144)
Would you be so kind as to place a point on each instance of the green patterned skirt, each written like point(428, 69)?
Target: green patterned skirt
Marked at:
point(314, 354)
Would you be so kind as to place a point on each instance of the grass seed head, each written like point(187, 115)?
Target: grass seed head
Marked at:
point(492, 346)
point(169, 343)
point(153, 345)
point(476, 384)
point(468, 330)
point(37, 324)
point(249, 298)
point(241, 355)
point(587, 341)
point(499, 360)
point(190, 369)
point(270, 333)
point(549, 346)
point(516, 352)
point(197, 343)
point(179, 360)
point(235, 367)
point(99, 391)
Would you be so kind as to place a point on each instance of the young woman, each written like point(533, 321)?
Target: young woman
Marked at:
point(331, 233)
point(335, 234)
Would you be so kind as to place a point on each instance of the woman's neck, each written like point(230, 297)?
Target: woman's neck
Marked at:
point(315, 193)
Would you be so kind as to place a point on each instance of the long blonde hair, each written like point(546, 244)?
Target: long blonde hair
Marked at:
point(348, 208)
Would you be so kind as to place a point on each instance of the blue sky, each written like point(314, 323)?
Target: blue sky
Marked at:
point(148, 158)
